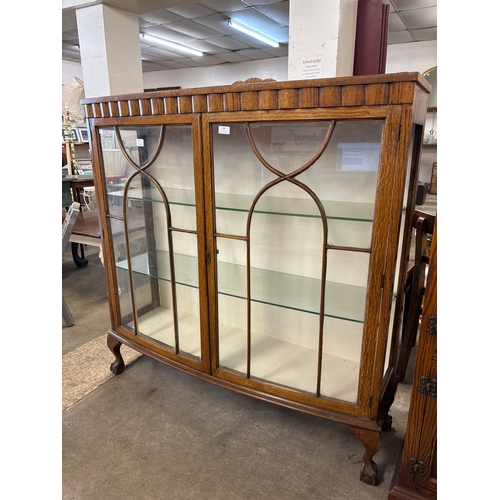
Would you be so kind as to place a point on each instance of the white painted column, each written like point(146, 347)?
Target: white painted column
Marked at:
point(322, 37)
point(110, 51)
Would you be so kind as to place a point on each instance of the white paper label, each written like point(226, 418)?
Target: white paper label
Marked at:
point(140, 143)
point(312, 67)
point(224, 130)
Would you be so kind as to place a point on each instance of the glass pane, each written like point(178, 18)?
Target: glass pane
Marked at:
point(140, 143)
point(395, 336)
point(285, 275)
point(348, 268)
point(270, 280)
point(173, 170)
point(162, 291)
point(345, 180)
point(234, 159)
point(154, 262)
point(232, 306)
point(345, 300)
point(284, 347)
point(287, 146)
point(142, 289)
point(188, 300)
point(116, 168)
point(390, 335)
point(342, 341)
point(404, 215)
point(120, 257)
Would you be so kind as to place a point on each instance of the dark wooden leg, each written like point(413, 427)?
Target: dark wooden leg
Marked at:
point(387, 424)
point(384, 420)
point(416, 292)
point(408, 341)
point(118, 365)
point(371, 442)
point(80, 261)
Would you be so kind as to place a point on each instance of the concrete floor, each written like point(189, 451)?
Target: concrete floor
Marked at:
point(156, 433)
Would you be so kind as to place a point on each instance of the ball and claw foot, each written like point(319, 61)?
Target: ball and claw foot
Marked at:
point(368, 474)
point(371, 441)
point(118, 365)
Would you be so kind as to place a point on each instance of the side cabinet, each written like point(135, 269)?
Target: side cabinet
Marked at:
point(416, 473)
point(257, 236)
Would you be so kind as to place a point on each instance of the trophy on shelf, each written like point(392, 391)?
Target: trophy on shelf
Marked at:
point(70, 145)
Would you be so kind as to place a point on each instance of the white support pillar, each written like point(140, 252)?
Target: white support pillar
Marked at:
point(110, 51)
point(322, 37)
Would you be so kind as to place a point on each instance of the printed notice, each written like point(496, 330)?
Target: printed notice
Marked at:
point(224, 130)
point(139, 143)
point(312, 67)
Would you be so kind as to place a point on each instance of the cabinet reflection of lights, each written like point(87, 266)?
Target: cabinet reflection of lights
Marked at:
point(253, 33)
point(176, 47)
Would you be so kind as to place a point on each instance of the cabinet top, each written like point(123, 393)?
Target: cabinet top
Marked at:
point(257, 94)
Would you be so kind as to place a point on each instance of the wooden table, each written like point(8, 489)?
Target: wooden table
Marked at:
point(78, 183)
point(87, 231)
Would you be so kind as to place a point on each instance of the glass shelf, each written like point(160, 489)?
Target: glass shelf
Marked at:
point(289, 291)
point(359, 212)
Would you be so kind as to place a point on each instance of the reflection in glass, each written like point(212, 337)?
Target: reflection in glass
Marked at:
point(140, 143)
point(345, 180)
point(291, 145)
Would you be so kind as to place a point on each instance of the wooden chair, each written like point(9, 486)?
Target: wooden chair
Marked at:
point(67, 227)
point(424, 225)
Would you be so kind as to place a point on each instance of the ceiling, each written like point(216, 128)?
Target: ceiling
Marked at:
point(203, 25)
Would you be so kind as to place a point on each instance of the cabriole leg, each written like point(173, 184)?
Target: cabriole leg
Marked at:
point(371, 442)
point(118, 365)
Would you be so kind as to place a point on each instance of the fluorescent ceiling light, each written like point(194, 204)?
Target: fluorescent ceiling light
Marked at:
point(176, 47)
point(253, 33)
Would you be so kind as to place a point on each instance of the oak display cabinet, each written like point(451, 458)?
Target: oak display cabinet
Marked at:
point(256, 235)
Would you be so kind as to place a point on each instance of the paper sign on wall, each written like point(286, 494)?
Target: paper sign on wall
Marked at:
point(312, 67)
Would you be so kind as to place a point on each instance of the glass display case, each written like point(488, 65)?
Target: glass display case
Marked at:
point(257, 236)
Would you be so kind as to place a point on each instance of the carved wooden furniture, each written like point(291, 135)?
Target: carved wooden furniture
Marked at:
point(416, 473)
point(276, 236)
point(86, 231)
point(423, 225)
point(78, 183)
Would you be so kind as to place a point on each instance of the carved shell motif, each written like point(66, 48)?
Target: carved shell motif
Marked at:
point(254, 80)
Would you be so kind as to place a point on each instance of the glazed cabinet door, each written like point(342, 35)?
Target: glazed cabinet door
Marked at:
point(153, 217)
point(292, 229)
